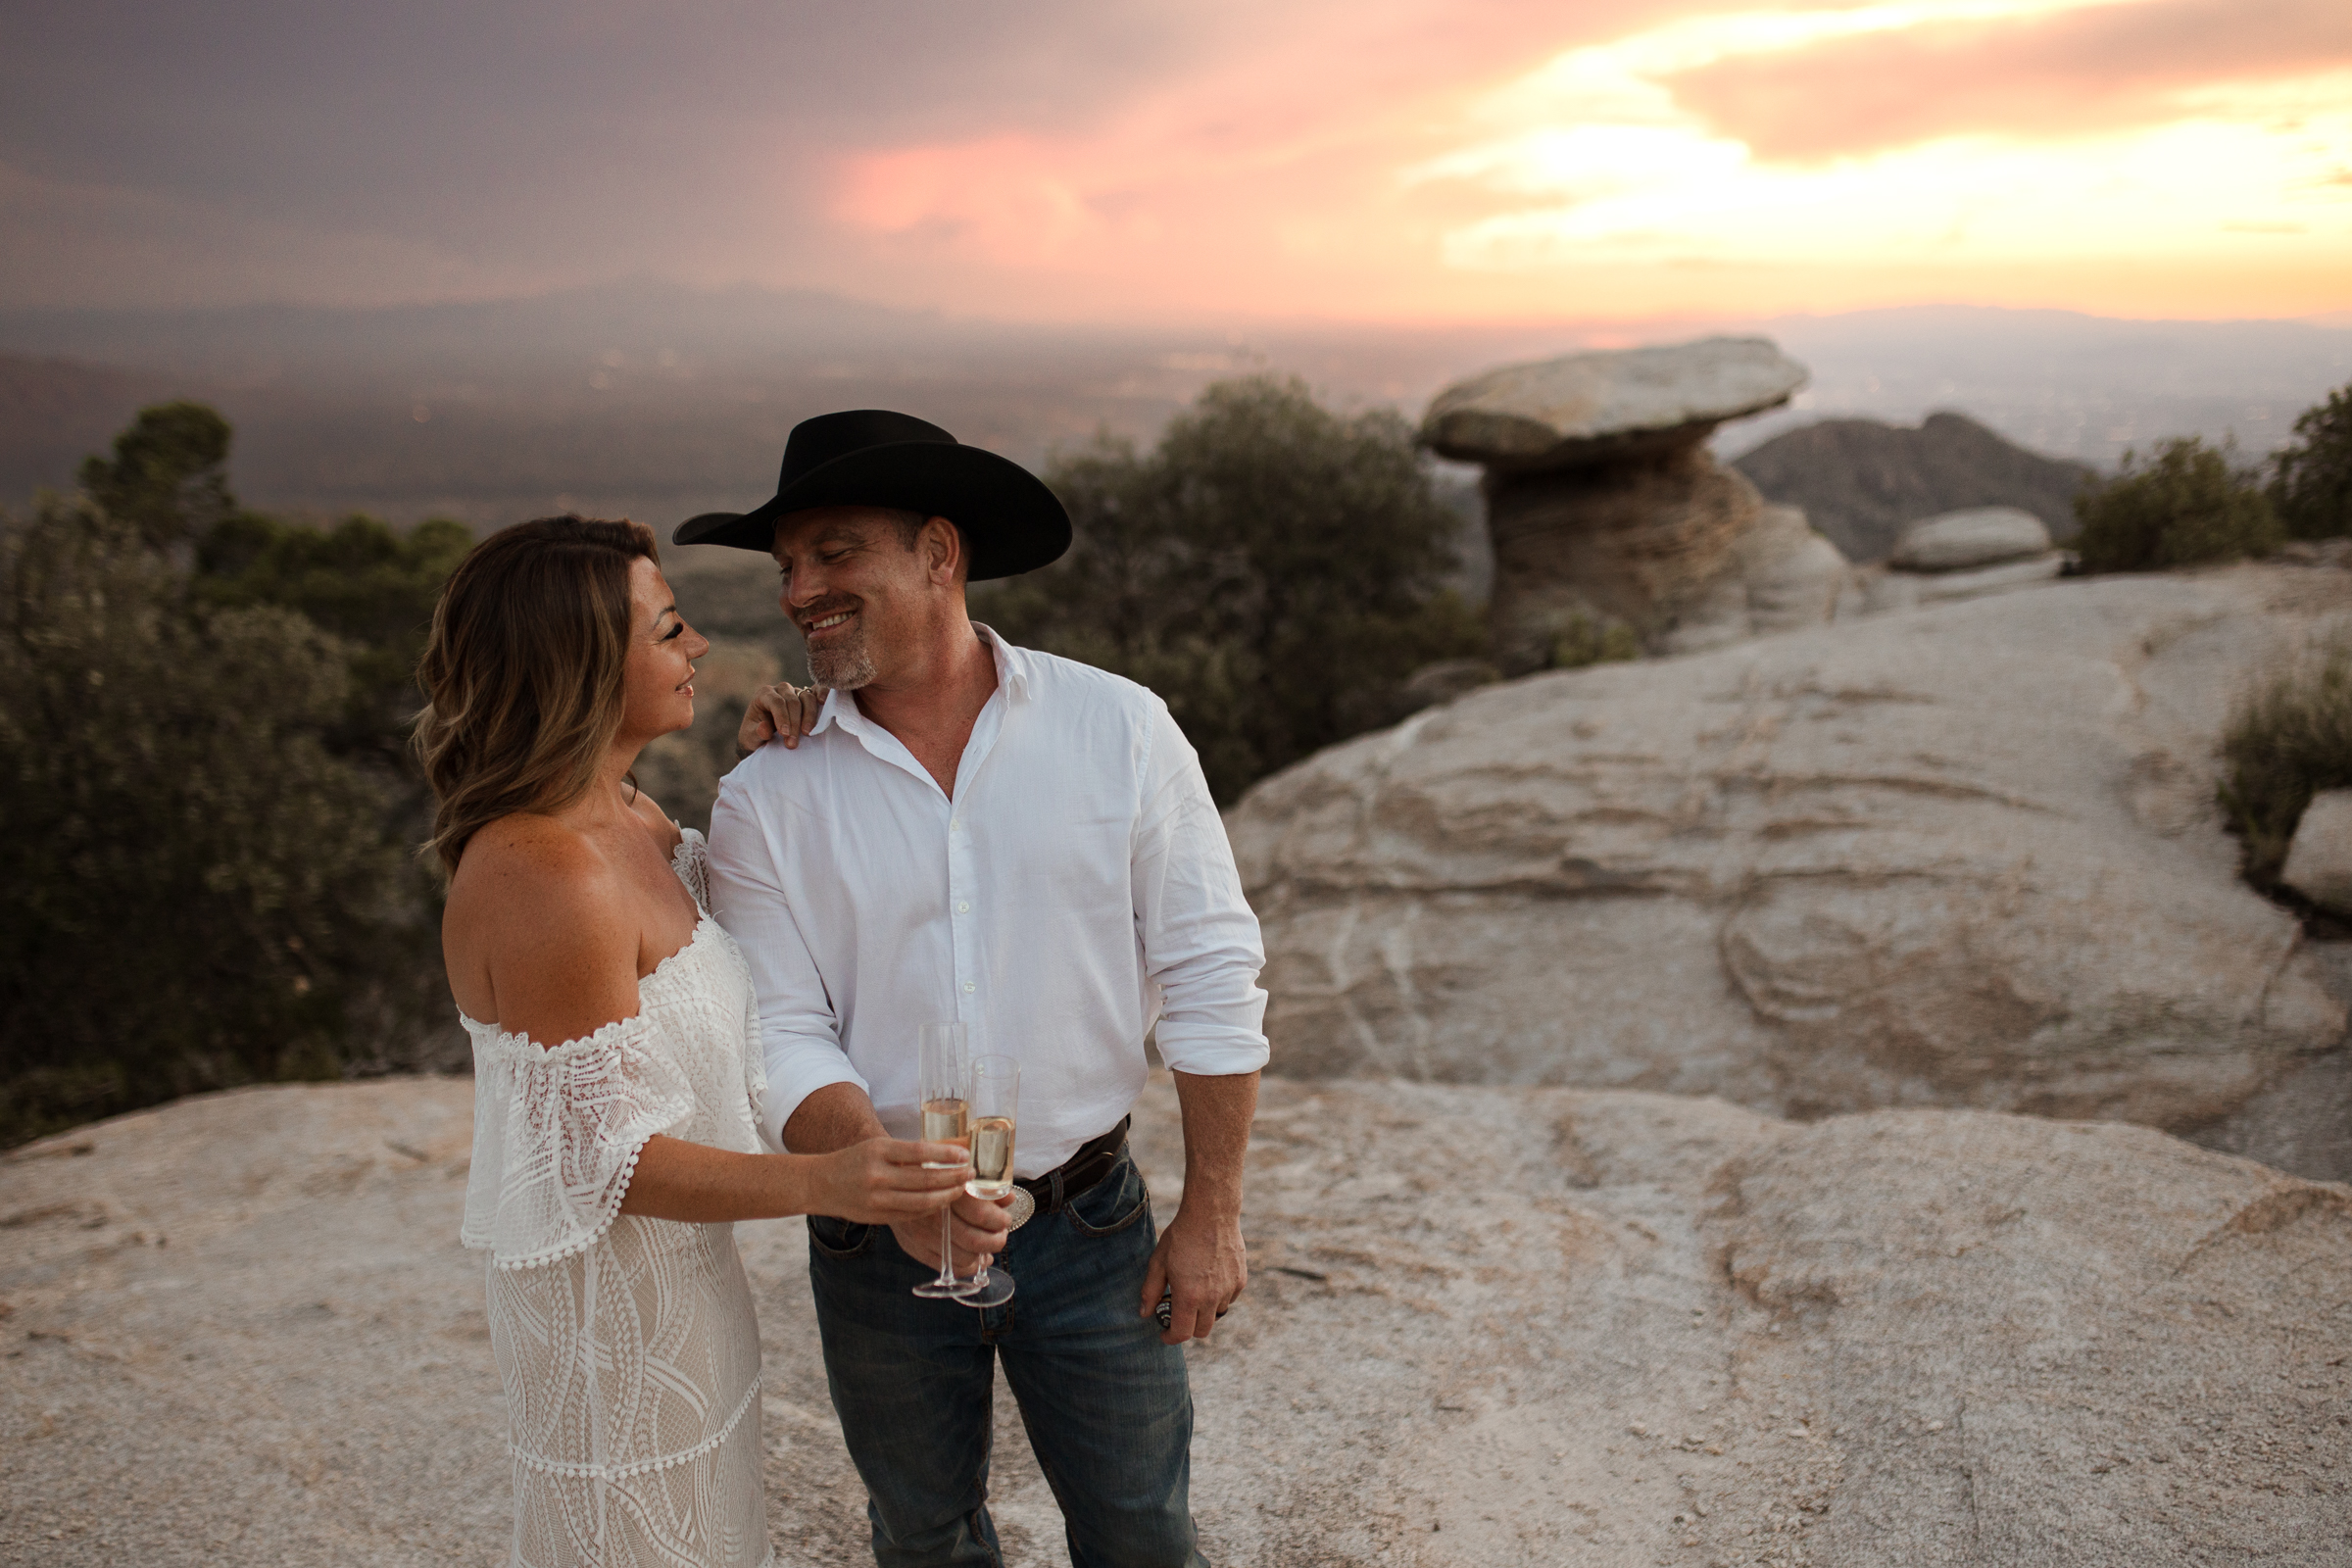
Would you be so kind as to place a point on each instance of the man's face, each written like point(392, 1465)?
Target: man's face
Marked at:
point(854, 589)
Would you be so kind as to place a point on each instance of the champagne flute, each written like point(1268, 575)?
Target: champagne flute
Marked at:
point(992, 1094)
point(945, 1121)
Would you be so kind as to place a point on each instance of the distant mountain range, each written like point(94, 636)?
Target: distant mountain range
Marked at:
point(658, 401)
point(1860, 482)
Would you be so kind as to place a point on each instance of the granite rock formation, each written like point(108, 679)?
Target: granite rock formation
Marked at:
point(1605, 509)
point(1967, 856)
point(1859, 481)
point(1608, 1329)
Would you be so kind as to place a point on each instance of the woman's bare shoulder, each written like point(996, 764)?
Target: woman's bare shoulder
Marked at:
point(657, 821)
point(528, 884)
point(528, 859)
point(539, 926)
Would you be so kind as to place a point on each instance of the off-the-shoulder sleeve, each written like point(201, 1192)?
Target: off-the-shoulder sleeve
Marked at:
point(556, 1133)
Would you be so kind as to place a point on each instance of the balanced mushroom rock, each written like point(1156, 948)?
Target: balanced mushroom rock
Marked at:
point(1607, 509)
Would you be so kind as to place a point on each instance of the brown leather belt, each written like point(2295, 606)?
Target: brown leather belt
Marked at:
point(1080, 1172)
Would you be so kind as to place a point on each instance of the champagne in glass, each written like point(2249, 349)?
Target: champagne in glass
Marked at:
point(991, 1158)
point(993, 1093)
point(944, 1122)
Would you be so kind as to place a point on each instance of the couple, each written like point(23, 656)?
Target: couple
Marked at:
point(671, 1037)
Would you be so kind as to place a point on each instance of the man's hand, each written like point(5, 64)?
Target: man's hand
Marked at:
point(780, 712)
point(978, 1226)
point(1200, 1257)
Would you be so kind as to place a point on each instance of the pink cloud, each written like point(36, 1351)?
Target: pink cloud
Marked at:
point(2098, 69)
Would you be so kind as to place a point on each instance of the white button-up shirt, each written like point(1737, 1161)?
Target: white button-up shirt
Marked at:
point(1075, 890)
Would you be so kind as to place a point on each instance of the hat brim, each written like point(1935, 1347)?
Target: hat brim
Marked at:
point(1010, 521)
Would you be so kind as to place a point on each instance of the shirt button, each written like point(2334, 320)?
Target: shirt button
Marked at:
point(954, 824)
point(964, 907)
point(968, 986)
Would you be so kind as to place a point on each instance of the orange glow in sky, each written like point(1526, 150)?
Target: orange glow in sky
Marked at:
point(2180, 158)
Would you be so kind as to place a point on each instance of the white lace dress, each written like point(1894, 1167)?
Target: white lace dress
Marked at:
point(628, 1346)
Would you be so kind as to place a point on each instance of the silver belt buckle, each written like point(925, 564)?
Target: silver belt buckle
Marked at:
point(1023, 1205)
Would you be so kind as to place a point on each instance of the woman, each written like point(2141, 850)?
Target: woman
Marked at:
point(616, 1075)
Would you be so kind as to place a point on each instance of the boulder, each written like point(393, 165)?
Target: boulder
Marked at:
point(1883, 590)
point(1607, 1328)
point(1605, 510)
point(2319, 860)
point(1977, 536)
point(1966, 856)
point(1573, 412)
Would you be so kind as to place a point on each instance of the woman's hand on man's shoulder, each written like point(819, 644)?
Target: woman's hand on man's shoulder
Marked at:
point(782, 711)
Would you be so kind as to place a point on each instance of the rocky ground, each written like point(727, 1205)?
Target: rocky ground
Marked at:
point(1486, 1325)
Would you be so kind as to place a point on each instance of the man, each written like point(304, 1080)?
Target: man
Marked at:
point(977, 832)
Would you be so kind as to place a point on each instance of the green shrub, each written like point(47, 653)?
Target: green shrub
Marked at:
point(1273, 570)
point(2311, 480)
point(200, 894)
point(1585, 641)
point(367, 584)
point(2186, 506)
point(207, 790)
point(168, 475)
point(2290, 740)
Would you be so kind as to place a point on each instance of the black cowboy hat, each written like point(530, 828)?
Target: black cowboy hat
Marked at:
point(873, 457)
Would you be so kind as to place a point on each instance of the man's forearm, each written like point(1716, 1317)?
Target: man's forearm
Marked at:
point(833, 1117)
point(1217, 1113)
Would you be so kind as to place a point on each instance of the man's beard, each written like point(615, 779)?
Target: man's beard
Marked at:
point(842, 667)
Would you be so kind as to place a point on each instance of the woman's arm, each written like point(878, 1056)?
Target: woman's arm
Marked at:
point(880, 1181)
point(563, 959)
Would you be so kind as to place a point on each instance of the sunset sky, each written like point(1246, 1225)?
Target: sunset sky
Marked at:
point(1216, 160)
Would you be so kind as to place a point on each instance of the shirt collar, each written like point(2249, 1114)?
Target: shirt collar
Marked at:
point(1012, 679)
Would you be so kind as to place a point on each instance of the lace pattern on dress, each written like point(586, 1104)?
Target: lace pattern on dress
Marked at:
point(691, 859)
point(621, 1472)
point(556, 1133)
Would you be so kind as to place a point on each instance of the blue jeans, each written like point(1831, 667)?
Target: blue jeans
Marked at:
point(1107, 1409)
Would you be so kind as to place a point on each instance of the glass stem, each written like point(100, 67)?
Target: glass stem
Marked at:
point(946, 1249)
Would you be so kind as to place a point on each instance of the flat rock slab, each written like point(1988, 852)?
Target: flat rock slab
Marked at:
point(1976, 536)
point(1485, 1326)
point(1965, 855)
point(1585, 408)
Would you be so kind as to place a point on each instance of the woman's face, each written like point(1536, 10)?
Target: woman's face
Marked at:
point(659, 682)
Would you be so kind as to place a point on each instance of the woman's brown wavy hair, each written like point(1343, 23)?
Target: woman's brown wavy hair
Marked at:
point(523, 675)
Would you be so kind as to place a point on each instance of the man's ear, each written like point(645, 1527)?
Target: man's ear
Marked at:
point(942, 544)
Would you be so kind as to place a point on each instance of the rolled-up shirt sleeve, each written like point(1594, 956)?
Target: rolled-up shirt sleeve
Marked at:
point(800, 1033)
point(1200, 943)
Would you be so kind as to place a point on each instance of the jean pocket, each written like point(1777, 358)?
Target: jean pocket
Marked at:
point(1111, 1204)
point(838, 1238)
